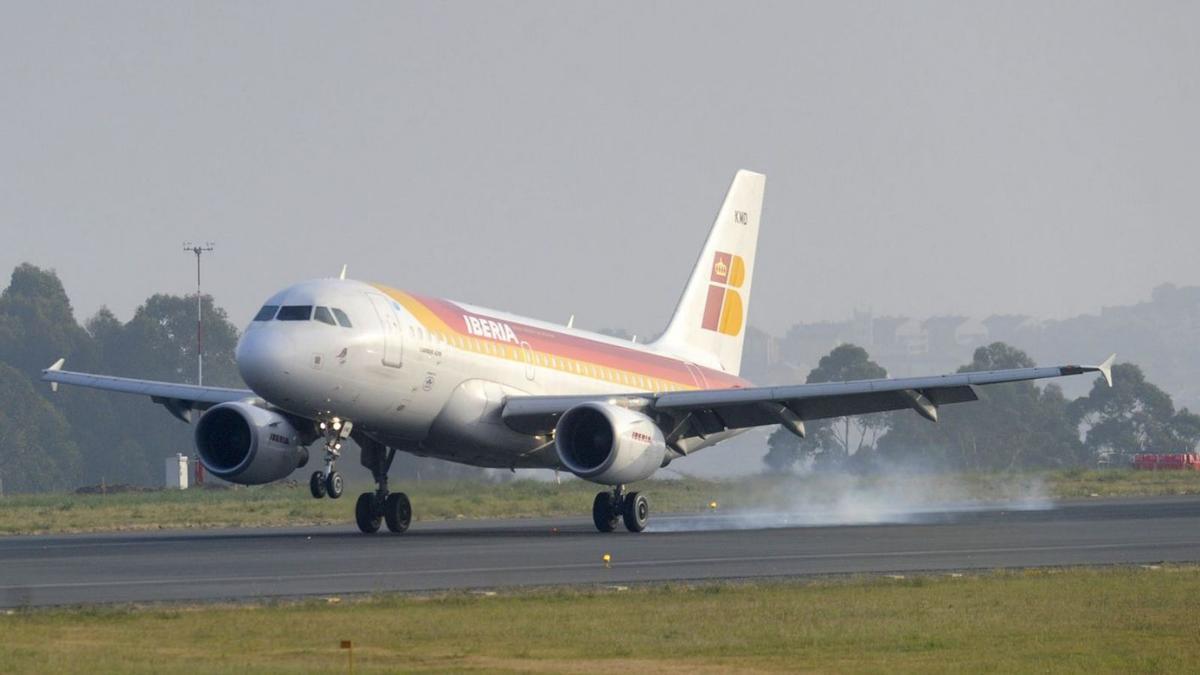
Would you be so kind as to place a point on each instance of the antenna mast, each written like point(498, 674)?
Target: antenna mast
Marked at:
point(199, 249)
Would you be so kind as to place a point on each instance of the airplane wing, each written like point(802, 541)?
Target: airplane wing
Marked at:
point(704, 412)
point(179, 399)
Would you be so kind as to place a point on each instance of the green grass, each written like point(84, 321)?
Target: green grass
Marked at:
point(440, 500)
point(1077, 620)
point(1124, 482)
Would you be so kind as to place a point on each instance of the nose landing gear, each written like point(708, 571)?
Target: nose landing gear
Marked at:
point(610, 507)
point(328, 482)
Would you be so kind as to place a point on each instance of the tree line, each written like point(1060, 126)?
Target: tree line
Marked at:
point(1014, 426)
point(74, 436)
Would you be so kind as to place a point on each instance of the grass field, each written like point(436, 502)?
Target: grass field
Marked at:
point(1077, 620)
point(433, 500)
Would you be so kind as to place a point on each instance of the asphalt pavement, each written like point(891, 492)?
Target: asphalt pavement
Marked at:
point(244, 564)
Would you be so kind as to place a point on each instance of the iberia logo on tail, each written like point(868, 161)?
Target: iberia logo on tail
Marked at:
point(723, 308)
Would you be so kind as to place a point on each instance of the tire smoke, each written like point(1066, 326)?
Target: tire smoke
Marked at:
point(817, 500)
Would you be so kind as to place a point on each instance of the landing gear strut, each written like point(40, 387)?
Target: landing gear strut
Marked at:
point(381, 506)
point(328, 483)
point(610, 507)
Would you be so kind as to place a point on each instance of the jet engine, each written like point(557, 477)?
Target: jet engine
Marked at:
point(243, 443)
point(609, 444)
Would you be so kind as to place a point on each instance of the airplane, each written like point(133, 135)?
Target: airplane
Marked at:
point(336, 359)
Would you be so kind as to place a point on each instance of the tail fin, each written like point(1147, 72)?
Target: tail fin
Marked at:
point(709, 324)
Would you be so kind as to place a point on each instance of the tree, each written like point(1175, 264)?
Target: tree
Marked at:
point(159, 342)
point(838, 439)
point(115, 437)
point(1133, 416)
point(37, 324)
point(783, 450)
point(830, 443)
point(37, 327)
point(1186, 426)
point(36, 450)
point(1014, 426)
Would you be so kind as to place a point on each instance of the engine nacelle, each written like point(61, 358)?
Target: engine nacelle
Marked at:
point(609, 444)
point(245, 444)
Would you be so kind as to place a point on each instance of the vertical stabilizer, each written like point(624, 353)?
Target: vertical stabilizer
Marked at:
point(709, 324)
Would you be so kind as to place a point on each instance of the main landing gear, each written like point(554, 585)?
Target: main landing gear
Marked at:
point(610, 507)
point(376, 508)
point(328, 483)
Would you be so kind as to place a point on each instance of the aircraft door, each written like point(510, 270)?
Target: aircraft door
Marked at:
point(697, 376)
point(390, 323)
point(527, 353)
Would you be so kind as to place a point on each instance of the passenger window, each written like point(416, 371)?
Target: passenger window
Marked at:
point(266, 313)
point(342, 318)
point(322, 314)
point(294, 313)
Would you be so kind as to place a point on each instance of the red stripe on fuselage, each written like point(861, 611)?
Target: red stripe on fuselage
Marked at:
point(583, 349)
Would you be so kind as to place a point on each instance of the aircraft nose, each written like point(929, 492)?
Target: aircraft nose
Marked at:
point(266, 355)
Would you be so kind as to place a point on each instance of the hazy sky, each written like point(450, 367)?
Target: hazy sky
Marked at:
point(564, 158)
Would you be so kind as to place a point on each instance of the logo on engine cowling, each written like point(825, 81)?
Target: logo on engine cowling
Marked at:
point(282, 440)
point(639, 436)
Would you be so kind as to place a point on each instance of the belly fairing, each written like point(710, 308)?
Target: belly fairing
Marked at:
point(469, 429)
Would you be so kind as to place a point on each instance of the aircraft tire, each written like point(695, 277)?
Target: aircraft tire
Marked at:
point(635, 511)
point(334, 485)
point(367, 514)
point(397, 511)
point(604, 512)
point(316, 485)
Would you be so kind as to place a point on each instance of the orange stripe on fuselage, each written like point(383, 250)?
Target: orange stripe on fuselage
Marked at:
point(564, 352)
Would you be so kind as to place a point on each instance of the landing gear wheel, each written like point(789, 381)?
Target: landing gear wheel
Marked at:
point(604, 512)
point(316, 485)
point(367, 514)
point(333, 485)
point(397, 511)
point(635, 511)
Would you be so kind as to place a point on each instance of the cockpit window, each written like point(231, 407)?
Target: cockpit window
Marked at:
point(342, 318)
point(322, 314)
point(266, 313)
point(294, 313)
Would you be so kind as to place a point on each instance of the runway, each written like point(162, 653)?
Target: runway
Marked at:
point(207, 565)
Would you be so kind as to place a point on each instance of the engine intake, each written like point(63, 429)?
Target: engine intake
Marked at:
point(245, 444)
point(609, 444)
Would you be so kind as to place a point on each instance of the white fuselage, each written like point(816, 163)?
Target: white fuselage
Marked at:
point(430, 376)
